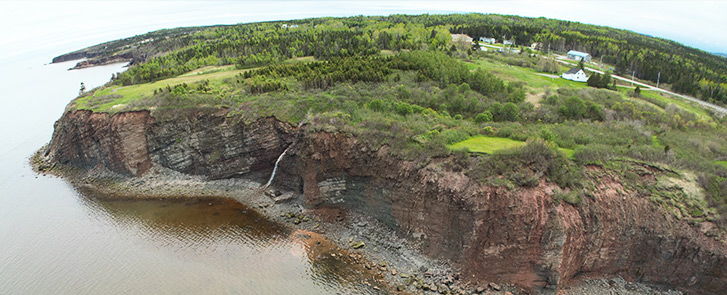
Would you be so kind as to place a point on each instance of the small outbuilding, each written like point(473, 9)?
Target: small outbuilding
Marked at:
point(575, 74)
point(487, 40)
point(508, 42)
point(577, 55)
point(461, 37)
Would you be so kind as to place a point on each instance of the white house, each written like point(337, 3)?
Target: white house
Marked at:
point(461, 37)
point(508, 42)
point(577, 55)
point(575, 74)
point(487, 40)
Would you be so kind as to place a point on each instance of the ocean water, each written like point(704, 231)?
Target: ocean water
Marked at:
point(55, 240)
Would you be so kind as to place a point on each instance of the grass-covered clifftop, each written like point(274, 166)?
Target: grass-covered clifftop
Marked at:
point(401, 81)
point(168, 53)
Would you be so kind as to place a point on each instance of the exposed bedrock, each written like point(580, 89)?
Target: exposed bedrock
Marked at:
point(493, 234)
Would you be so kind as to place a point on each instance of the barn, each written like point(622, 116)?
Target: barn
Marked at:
point(577, 55)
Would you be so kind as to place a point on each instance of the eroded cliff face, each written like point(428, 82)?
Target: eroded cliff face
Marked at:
point(85, 139)
point(197, 142)
point(520, 236)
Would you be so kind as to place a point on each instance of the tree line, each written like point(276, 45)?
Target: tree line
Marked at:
point(686, 70)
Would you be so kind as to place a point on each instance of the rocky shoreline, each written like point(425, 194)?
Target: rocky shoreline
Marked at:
point(362, 240)
point(427, 220)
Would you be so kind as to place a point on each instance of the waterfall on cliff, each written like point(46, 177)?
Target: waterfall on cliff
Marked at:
point(275, 169)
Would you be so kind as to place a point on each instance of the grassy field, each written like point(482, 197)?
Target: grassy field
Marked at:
point(657, 99)
point(116, 96)
point(683, 104)
point(723, 163)
point(488, 145)
point(527, 75)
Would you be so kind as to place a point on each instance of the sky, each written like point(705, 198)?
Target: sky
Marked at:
point(61, 26)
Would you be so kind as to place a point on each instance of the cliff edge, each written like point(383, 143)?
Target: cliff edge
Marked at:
point(526, 236)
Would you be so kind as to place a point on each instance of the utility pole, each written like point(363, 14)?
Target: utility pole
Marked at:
point(632, 78)
point(657, 79)
point(601, 62)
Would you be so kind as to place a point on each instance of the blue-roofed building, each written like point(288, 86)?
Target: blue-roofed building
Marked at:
point(577, 55)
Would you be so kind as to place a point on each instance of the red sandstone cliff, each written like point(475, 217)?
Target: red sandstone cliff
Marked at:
point(519, 236)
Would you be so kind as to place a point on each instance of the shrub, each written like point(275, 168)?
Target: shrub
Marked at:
point(594, 112)
point(570, 197)
point(547, 135)
point(510, 112)
point(379, 105)
point(484, 117)
point(573, 108)
point(552, 99)
point(517, 95)
point(637, 92)
point(404, 109)
point(488, 130)
point(451, 136)
point(594, 153)
point(525, 165)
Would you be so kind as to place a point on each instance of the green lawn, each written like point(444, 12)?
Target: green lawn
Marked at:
point(527, 75)
point(488, 145)
point(121, 95)
point(683, 104)
point(114, 97)
point(647, 95)
point(723, 163)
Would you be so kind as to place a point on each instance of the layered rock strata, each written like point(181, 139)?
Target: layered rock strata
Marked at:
point(522, 236)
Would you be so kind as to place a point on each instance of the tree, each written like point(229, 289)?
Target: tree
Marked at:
point(594, 111)
point(510, 112)
point(574, 108)
point(580, 64)
point(495, 110)
point(594, 80)
point(547, 65)
point(637, 91)
point(483, 117)
point(600, 81)
point(606, 81)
